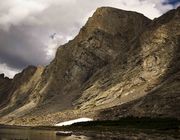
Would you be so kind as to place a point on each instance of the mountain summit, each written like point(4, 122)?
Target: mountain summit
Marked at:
point(120, 64)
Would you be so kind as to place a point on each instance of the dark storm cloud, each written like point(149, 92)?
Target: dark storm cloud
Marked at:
point(19, 47)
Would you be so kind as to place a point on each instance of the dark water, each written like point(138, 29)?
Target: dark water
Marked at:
point(19, 134)
point(26, 134)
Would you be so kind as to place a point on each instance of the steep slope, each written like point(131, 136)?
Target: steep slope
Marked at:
point(20, 97)
point(153, 60)
point(5, 85)
point(121, 63)
point(162, 42)
point(99, 43)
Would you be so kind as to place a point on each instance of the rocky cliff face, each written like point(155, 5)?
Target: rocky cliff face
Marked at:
point(161, 64)
point(19, 97)
point(121, 63)
point(5, 85)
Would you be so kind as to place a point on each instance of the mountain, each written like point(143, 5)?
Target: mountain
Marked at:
point(5, 84)
point(120, 64)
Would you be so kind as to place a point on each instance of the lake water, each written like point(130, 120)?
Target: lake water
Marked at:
point(26, 134)
point(19, 134)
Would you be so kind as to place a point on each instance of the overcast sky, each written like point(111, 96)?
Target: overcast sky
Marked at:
point(26, 26)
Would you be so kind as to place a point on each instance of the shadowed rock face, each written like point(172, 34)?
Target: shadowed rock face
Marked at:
point(5, 85)
point(121, 63)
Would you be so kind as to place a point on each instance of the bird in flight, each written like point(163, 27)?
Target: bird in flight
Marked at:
point(53, 36)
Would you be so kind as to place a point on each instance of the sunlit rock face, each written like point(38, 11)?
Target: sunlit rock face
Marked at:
point(20, 95)
point(121, 63)
point(160, 44)
point(102, 45)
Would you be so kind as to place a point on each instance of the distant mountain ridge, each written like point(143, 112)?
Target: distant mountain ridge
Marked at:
point(120, 64)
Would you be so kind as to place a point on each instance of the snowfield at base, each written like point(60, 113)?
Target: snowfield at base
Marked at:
point(74, 121)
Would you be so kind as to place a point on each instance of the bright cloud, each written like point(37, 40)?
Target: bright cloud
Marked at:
point(14, 12)
point(54, 42)
point(10, 72)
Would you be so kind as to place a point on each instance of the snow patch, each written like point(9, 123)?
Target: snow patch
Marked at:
point(74, 121)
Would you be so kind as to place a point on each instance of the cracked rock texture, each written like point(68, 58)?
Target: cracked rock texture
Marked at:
point(121, 63)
